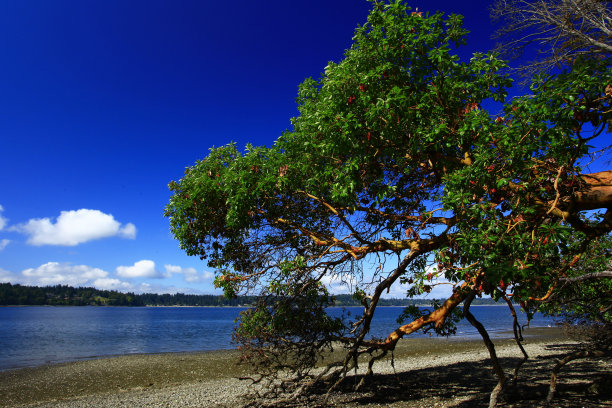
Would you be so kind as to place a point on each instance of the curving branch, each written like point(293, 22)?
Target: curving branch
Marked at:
point(586, 276)
point(437, 317)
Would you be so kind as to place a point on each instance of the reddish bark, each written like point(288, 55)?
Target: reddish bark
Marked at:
point(597, 192)
point(438, 317)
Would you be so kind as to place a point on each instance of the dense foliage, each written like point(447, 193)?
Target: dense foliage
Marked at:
point(407, 165)
point(585, 293)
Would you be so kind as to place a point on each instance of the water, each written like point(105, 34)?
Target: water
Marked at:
point(32, 336)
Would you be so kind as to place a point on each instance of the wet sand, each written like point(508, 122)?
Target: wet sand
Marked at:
point(427, 372)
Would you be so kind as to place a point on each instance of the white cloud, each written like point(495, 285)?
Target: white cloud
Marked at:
point(54, 273)
point(128, 231)
point(64, 273)
point(75, 227)
point(111, 284)
point(145, 288)
point(3, 221)
point(338, 286)
point(442, 290)
point(172, 269)
point(161, 289)
point(4, 243)
point(204, 277)
point(6, 276)
point(190, 275)
point(140, 269)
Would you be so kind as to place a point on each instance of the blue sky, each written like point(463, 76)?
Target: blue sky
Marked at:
point(102, 103)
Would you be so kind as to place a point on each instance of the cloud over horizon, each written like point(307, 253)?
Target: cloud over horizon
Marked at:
point(111, 284)
point(65, 273)
point(336, 285)
point(141, 269)
point(56, 273)
point(75, 227)
point(190, 275)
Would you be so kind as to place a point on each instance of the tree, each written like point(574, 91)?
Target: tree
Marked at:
point(584, 300)
point(394, 172)
point(585, 293)
point(560, 31)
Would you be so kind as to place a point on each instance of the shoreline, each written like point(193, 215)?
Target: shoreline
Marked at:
point(208, 378)
point(403, 347)
point(498, 336)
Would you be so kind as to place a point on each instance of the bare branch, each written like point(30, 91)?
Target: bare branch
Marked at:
point(559, 30)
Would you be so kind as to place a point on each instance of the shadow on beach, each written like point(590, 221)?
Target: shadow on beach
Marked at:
point(468, 384)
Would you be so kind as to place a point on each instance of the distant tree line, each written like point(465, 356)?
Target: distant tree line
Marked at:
point(63, 295)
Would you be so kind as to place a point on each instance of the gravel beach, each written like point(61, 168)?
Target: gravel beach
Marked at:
point(428, 373)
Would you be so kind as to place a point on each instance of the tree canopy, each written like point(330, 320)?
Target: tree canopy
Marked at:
point(407, 165)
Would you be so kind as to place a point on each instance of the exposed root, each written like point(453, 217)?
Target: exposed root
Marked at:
point(573, 356)
point(370, 371)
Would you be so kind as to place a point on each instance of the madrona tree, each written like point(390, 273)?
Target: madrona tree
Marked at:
point(405, 165)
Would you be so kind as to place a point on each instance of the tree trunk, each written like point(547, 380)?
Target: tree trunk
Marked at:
point(518, 337)
point(499, 372)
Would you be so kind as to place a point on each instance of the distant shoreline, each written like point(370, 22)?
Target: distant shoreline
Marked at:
point(63, 295)
point(232, 306)
point(222, 306)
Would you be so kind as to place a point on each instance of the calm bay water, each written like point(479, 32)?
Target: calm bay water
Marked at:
point(31, 336)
